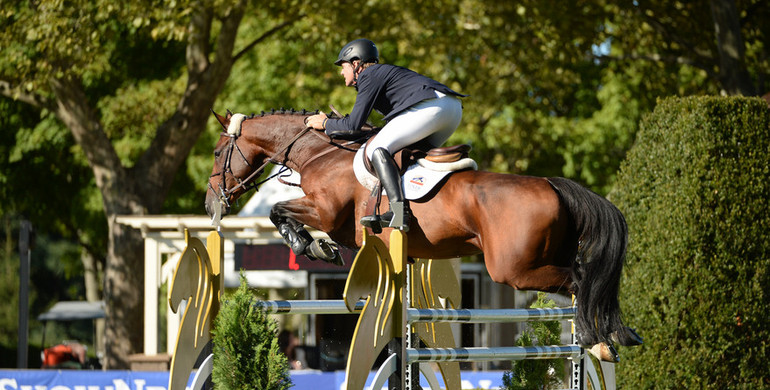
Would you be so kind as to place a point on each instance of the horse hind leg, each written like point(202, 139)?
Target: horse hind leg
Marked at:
point(553, 278)
point(606, 351)
point(627, 337)
point(548, 278)
point(557, 279)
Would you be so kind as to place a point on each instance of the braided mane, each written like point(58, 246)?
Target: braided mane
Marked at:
point(283, 111)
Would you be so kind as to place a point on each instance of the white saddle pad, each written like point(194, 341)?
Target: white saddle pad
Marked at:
point(418, 180)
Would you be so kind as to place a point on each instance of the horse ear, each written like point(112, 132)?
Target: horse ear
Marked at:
point(222, 121)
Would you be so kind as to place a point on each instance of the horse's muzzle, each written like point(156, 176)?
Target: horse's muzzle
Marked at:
point(215, 208)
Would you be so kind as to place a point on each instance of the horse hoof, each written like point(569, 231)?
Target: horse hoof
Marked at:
point(605, 352)
point(629, 338)
point(325, 251)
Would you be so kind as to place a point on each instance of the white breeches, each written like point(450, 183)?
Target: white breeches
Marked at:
point(433, 120)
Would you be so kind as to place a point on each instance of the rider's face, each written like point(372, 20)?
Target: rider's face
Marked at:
point(348, 73)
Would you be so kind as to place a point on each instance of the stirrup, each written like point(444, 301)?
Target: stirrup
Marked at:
point(398, 219)
point(373, 222)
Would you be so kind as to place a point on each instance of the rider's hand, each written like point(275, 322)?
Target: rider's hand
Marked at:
point(317, 121)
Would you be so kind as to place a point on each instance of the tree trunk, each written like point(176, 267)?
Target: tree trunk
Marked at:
point(92, 268)
point(124, 269)
point(123, 293)
point(141, 190)
point(91, 275)
point(733, 74)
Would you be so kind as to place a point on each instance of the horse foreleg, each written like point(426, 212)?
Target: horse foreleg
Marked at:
point(293, 233)
point(284, 214)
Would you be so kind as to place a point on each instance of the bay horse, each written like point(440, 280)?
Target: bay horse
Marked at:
point(545, 234)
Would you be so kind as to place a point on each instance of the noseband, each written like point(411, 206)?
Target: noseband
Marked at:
point(247, 183)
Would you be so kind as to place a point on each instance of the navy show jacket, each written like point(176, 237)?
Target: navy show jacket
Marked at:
point(389, 89)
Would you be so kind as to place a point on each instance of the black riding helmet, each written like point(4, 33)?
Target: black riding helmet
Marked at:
point(359, 49)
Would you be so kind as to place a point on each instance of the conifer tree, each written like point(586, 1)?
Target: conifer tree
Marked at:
point(246, 351)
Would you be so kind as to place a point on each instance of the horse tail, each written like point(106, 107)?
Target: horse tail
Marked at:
point(602, 236)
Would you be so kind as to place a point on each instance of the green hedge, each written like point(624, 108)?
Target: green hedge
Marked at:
point(695, 192)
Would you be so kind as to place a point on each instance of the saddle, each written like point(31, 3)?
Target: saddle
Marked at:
point(406, 156)
point(421, 150)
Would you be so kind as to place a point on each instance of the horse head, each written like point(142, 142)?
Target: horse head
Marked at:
point(244, 149)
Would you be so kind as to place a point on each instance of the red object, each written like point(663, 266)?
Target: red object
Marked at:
point(57, 354)
point(293, 261)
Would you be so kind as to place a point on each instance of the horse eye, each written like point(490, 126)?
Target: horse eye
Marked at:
point(217, 153)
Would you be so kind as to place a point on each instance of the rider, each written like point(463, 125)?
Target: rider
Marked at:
point(415, 108)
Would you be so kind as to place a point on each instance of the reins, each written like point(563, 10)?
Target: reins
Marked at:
point(327, 151)
point(326, 139)
point(247, 183)
point(270, 160)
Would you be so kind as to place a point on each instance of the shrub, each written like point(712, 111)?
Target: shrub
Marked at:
point(537, 374)
point(246, 352)
point(695, 192)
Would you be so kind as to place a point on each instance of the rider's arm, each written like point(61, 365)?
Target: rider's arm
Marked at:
point(369, 87)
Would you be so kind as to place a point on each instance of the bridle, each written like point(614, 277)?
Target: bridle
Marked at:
point(248, 183)
point(224, 193)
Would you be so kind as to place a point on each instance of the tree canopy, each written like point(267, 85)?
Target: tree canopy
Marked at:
point(110, 99)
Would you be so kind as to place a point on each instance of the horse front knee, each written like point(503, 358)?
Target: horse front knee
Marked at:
point(276, 217)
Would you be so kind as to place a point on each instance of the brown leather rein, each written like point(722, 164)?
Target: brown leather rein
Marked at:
point(247, 183)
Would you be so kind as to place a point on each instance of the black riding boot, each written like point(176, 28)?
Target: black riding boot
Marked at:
point(398, 216)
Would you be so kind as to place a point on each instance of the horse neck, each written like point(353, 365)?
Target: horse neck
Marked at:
point(276, 133)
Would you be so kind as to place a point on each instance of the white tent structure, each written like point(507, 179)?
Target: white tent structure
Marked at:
point(73, 311)
point(272, 192)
